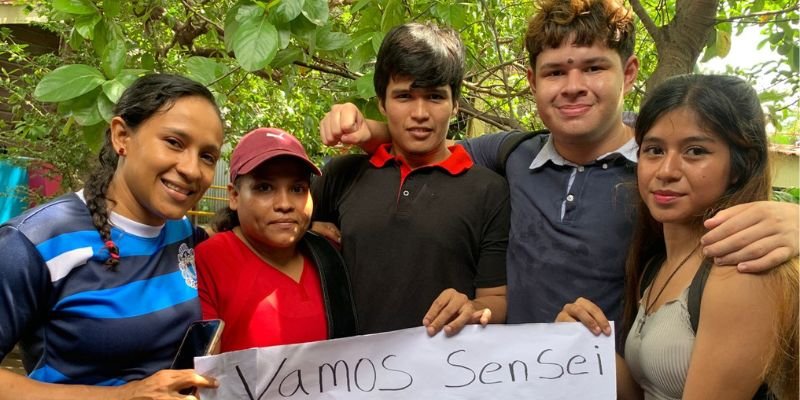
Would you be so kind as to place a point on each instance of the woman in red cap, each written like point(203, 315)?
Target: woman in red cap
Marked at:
point(271, 280)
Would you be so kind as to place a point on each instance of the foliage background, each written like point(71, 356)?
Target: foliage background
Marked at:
point(284, 62)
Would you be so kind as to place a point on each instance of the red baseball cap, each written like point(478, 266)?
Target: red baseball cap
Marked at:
point(262, 144)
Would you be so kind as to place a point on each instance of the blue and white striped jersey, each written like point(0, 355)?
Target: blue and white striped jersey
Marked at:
point(76, 320)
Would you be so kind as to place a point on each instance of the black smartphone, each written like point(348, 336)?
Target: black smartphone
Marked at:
point(201, 339)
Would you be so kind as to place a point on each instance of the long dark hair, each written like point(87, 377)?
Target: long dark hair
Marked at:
point(147, 96)
point(729, 107)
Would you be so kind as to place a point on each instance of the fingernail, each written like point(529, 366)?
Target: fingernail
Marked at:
point(742, 267)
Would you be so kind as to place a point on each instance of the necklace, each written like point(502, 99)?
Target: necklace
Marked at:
point(648, 306)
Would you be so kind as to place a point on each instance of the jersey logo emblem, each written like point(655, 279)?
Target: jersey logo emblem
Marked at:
point(186, 264)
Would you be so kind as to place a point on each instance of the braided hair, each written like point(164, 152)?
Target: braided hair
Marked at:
point(147, 96)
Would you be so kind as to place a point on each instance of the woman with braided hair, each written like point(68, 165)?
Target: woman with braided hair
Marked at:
point(99, 286)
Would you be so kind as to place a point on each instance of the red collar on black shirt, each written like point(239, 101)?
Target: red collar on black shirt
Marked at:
point(458, 161)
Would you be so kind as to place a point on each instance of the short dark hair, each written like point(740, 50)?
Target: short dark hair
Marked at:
point(433, 56)
point(585, 22)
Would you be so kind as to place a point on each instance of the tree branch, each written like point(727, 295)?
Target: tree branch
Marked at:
point(507, 94)
point(759, 14)
point(499, 52)
point(496, 121)
point(190, 7)
point(648, 23)
point(320, 68)
point(517, 62)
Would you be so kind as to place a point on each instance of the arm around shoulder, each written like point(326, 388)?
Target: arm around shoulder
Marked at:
point(754, 236)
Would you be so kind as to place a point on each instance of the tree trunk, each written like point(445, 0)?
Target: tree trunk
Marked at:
point(680, 42)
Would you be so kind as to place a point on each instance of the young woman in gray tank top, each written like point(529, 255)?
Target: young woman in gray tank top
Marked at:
point(703, 148)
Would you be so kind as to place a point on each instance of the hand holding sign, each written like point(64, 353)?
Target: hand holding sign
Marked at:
point(550, 361)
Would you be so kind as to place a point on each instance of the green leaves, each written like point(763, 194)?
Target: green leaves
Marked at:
point(316, 11)
point(327, 40)
point(255, 42)
point(365, 86)
point(113, 89)
point(452, 14)
point(68, 82)
point(234, 19)
point(719, 42)
point(79, 7)
point(83, 109)
point(111, 8)
point(205, 70)
point(287, 56)
point(288, 10)
point(113, 58)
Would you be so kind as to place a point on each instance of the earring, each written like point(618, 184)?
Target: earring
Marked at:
point(121, 152)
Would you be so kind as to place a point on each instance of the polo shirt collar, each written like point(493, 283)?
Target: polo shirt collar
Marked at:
point(628, 150)
point(458, 161)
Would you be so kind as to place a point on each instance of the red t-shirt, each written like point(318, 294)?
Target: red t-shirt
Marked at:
point(261, 306)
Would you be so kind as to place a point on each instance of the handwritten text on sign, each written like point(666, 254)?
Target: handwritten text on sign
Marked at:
point(531, 361)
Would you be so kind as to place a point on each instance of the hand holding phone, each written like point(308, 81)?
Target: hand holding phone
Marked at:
point(201, 339)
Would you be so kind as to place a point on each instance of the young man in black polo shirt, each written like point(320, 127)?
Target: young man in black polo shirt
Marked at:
point(424, 230)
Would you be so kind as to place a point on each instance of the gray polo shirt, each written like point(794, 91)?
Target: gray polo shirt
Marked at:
point(571, 226)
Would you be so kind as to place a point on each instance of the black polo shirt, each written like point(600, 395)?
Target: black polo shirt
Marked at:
point(409, 234)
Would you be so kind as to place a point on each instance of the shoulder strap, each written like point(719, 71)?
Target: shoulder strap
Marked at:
point(335, 281)
point(696, 293)
point(514, 139)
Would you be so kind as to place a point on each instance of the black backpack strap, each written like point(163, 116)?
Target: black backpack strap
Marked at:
point(514, 139)
point(695, 298)
point(338, 298)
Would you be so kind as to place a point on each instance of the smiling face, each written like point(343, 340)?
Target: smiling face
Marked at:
point(167, 162)
point(273, 204)
point(683, 168)
point(579, 94)
point(418, 119)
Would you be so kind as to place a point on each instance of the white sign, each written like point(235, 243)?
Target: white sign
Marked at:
point(528, 361)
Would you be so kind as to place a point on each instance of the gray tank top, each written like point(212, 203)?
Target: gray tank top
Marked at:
point(658, 355)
